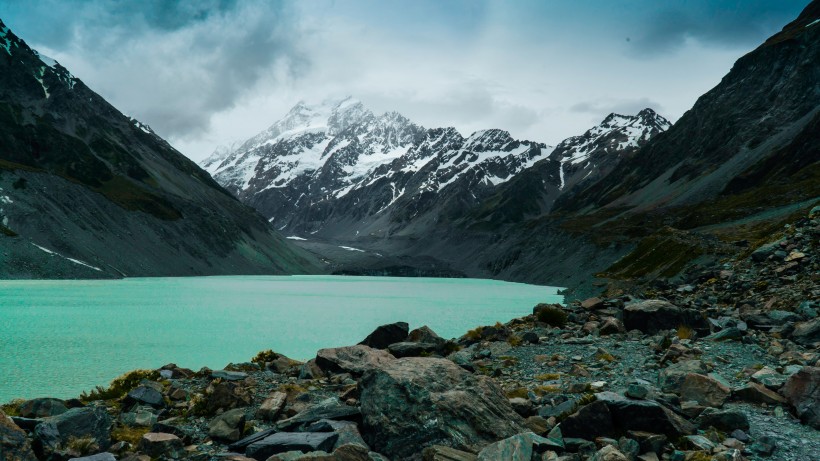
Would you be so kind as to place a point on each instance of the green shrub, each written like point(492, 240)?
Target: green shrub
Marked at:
point(120, 386)
point(553, 316)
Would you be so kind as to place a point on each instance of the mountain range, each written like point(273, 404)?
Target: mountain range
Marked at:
point(87, 192)
point(632, 198)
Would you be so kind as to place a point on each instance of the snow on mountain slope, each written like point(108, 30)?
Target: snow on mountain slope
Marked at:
point(338, 161)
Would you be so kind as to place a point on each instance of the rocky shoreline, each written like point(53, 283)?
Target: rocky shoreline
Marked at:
point(722, 364)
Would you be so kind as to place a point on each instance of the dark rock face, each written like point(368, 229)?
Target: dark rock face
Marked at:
point(412, 402)
point(14, 445)
point(43, 407)
point(802, 391)
point(724, 420)
point(590, 421)
point(386, 335)
point(291, 441)
point(644, 415)
point(53, 433)
point(120, 198)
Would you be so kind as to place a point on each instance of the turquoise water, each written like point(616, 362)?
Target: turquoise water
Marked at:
point(59, 338)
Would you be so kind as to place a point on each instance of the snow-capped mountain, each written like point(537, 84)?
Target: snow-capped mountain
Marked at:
point(338, 169)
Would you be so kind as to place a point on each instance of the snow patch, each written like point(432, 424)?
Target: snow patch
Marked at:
point(293, 237)
point(813, 23)
point(351, 249)
point(75, 261)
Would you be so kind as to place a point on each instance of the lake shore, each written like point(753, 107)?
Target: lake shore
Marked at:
point(722, 364)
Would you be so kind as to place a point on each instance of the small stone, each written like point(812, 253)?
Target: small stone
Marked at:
point(229, 375)
point(271, 406)
point(156, 444)
point(704, 389)
point(228, 426)
point(637, 391)
point(763, 446)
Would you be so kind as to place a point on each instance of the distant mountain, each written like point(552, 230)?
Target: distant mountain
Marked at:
point(335, 175)
point(630, 199)
point(86, 191)
point(338, 170)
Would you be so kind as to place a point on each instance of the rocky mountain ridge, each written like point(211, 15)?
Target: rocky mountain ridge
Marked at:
point(87, 192)
point(331, 166)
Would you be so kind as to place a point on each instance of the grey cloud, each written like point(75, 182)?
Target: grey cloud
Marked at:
point(172, 64)
point(723, 23)
point(600, 109)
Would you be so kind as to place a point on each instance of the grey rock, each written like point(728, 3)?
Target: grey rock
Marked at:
point(655, 315)
point(271, 406)
point(331, 408)
point(704, 389)
point(802, 391)
point(386, 335)
point(671, 378)
point(105, 456)
point(414, 402)
point(282, 442)
point(443, 453)
point(145, 395)
point(724, 420)
point(590, 421)
point(93, 422)
point(240, 445)
point(157, 444)
point(516, 448)
point(138, 416)
point(228, 426)
point(42, 407)
point(412, 349)
point(807, 333)
point(352, 359)
point(229, 375)
point(14, 445)
point(348, 431)
point(644, 415)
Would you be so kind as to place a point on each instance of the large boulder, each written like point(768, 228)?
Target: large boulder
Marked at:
point(802, 391)
point(807, 333)
point(53, 433)
point(351, 359)
point(386, 335)
point(411, 403)
point(226, 395)
point(654, 315)
point(671, 378)
point(14, 445)
point(704, 390)
point(42, 408)
point(519, 447)
point(644, 415)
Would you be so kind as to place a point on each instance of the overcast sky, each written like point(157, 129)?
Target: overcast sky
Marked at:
point(204, 73)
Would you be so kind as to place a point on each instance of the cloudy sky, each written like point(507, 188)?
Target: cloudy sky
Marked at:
point(204, 73)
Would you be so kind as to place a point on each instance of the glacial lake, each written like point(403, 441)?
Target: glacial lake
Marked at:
point(59, 338)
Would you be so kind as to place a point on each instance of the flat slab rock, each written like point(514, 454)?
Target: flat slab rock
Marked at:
point(282, 442)
point(352, 359)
